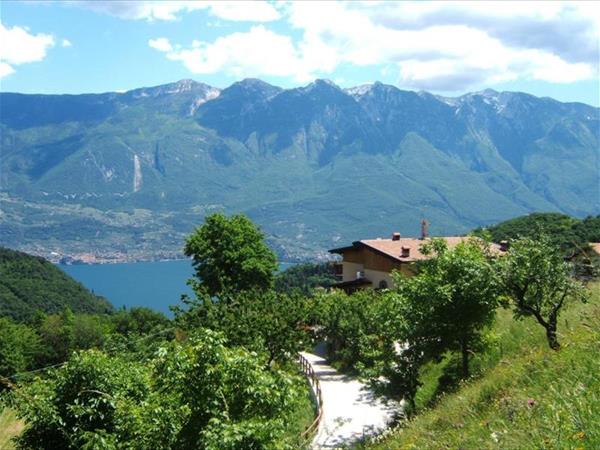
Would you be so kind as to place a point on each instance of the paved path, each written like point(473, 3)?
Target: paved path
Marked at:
point(350, 410)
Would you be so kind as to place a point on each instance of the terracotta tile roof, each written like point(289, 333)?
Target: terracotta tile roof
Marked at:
point(595, 246)
point(410, 247)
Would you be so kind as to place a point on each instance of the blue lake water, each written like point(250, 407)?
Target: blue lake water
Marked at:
point(155, 285)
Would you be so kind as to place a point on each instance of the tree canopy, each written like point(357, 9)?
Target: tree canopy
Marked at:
point(230, 255)
point(448, 304)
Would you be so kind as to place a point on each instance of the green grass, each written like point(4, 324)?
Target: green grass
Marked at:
point(525, 397)
point(10, 427)
point(303, 417)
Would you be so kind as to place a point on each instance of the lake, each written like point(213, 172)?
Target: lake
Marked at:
point(155, 285)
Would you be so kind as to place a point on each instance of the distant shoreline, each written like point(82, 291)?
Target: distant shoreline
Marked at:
point(134, 261)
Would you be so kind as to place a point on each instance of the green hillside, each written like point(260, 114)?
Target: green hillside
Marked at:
point(29, 284)
point(570, 233)
point(526, 397)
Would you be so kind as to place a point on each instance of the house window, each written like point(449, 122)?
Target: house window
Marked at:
point(383, 284)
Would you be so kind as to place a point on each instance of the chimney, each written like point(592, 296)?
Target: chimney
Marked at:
point(424, 229)
point(395, 236)
point(504, 245)
point(405, 252)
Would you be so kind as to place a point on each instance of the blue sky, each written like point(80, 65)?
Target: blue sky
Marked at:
point(547, 49)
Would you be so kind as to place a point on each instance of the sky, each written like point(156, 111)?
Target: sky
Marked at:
point(448, 48)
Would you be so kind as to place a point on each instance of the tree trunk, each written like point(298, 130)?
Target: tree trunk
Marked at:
point(465, 360)
point(551, 334)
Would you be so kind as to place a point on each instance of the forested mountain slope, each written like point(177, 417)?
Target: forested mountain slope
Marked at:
point(29, 284)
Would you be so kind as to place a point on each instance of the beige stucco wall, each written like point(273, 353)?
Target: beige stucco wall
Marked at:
point(350, 269)
point(376, 276)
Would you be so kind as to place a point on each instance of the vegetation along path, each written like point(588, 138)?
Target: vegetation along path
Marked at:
point(350, 409)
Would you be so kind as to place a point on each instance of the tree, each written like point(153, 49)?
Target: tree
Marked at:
point(354, 326)
point(230, 255)
point(265, 322)
point(538, 281)
point(448, 304)
point(57, 332)
point(18, 346)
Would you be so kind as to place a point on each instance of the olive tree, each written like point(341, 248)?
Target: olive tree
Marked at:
point(539, 283)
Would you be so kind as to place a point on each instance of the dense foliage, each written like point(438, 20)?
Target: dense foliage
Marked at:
point(569, 233)
point(51, 339)
point(230, 255)
point(306, 277)
point(29, 284)
point(354, 326)
point(447, 305)
point(194, 394)
point(268, 323)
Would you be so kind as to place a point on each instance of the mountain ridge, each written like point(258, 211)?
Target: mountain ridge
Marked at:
point(312, 164)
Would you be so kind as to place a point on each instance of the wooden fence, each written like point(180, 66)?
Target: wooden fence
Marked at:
point(309, 373)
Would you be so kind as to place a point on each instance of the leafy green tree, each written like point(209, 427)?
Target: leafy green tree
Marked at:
point(265, 322)
point(234, 401)
point(57, 332)
point(353, 326)
point(230, 255)
point(539, 283)
point(448, 304)
point(139, 321)
point(19, 345)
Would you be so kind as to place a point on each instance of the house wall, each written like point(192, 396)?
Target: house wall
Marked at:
point(376, 267)
point(377, 276)
point(350, 269)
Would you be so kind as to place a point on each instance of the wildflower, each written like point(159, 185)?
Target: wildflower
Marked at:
point(530, 402)
point(495, 436)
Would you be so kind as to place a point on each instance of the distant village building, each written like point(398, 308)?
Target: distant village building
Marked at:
point(369, 263)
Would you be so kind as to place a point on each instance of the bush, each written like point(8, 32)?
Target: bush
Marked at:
point(199, 394)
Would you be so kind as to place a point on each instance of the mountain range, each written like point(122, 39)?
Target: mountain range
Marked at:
point(120, 176)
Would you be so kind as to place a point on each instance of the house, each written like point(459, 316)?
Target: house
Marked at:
point(369, 263)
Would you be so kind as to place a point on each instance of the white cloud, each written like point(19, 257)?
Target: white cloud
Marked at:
point(444, 46)
point(66, 43)
point(456, 45)
point(19, 46)
point(242, 11)
point(5, 69)
point(254, 53)
point(161, 44)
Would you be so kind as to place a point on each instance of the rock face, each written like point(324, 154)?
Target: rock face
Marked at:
point(313, 165)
